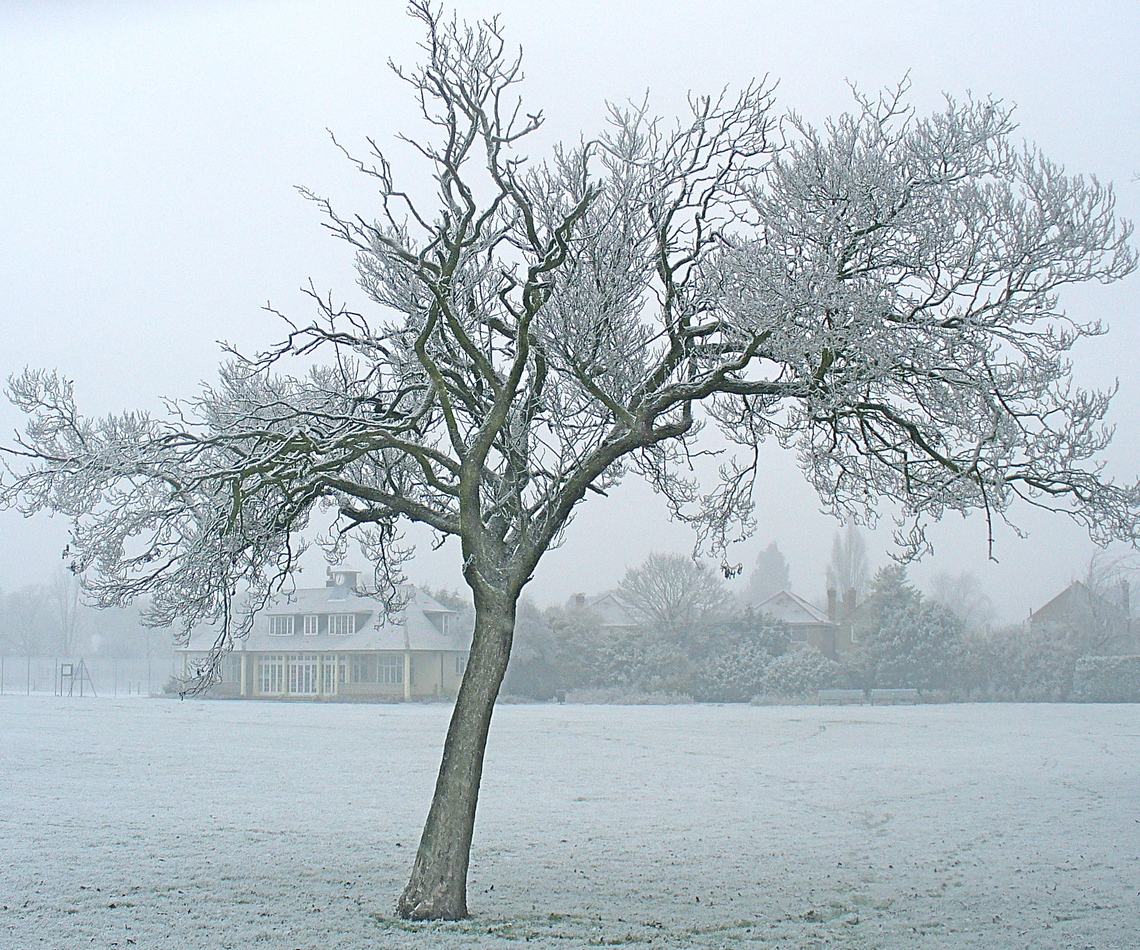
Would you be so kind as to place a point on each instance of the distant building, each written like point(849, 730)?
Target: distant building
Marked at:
point(611, 611)
point(806, 623)
point(1099, 624)
point(332, 643)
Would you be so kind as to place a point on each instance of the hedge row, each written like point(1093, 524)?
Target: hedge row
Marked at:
point(1107, 679)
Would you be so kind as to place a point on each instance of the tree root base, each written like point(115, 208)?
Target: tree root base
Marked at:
point(416, 906)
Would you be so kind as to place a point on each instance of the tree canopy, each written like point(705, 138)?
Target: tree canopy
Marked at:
point(673, 591)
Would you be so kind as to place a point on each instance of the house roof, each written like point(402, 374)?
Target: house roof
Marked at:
point(419, 626)
point(1076, 600)
point(612, 611)
point(793, 609)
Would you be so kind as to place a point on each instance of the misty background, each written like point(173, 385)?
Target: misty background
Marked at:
point(148, 207)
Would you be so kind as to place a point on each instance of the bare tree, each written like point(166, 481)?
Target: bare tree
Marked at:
point(63, 596)
point(878, 295)
point(673, 592)
point(24, 615)
point(964, 597)
point(1110, 573)
point(23, 618)
point(1104, 617)
point(849, 569)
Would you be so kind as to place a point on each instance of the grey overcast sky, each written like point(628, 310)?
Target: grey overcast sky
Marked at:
point(149, 153)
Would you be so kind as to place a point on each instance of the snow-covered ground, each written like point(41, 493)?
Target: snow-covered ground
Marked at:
point(155, 823)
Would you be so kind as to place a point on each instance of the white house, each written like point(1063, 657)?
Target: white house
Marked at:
point(333, 643)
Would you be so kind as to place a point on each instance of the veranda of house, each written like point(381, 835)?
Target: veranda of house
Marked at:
point(333, 643)
point(388, 676)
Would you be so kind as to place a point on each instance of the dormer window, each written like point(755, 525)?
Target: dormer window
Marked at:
point(342, 624)
point(281, 626)
point(312, 625)
point(443, 622)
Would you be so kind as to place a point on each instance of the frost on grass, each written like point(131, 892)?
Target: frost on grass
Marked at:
point(243, 825)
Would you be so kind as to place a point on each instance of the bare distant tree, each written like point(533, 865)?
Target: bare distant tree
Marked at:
point(849, 569)
point(65, 608)
point(964, 597)
point(25, 613)
point(23, 619)
point(1105, 621)
point(1111, 572)
point(879, 296)
point(1092, 616)
point(673, 592)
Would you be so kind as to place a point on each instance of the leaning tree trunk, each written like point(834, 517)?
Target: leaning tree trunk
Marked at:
point(437, 889)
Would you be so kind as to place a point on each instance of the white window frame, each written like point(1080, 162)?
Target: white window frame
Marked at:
point(339, 622)
point(231, 668)
point(271, 674)
point(362, 668)
point(304, 672)
point(390, 670)
point(311, 624)
point(332, 674)
point(281, 625)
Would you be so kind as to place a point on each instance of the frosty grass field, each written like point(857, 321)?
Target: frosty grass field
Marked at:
point(154, 823)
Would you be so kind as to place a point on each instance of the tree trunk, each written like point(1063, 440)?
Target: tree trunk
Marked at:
point(437, 889)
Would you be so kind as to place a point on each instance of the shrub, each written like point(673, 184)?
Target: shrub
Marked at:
point(800, 672)
point(732, 675)
point(1107, 679)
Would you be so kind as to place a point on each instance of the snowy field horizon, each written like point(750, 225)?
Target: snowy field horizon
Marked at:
point(154, 823)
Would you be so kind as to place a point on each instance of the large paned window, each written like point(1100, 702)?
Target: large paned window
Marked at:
point(231, 669)
point(312, 625)
point(332, 674)
point(281, 626)
point(362, 669)
point(342, 624)
point(303, 674)
point(271, 673)
point(392, 669)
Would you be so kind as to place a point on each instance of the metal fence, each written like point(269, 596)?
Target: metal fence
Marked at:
point(84, 675)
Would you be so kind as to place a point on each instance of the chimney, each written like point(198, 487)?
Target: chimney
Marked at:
point(832, 605)
point(579, 601)
point(848, 602)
